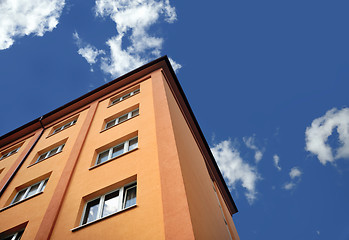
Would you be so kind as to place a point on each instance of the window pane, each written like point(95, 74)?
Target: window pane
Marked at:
point(116, 101)
point(33, 190)
point(110, 203)
point(91, 211)
point(110, 124)
point(136, 91)
point(123, 118)
point(102, 157)
point(130, 196)
point(19, 196)
point(133, 144)
point(52, 152)
point(126, 96)
point(118, 150)
point(135, 112)
point(42, 157)
point(19, 235)
point(44, 185)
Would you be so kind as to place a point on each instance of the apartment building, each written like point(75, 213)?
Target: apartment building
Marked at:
point(125, 161)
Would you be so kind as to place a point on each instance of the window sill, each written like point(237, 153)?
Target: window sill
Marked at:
point(101, 219)
point(43, 160)
point(97, 165)
point(14, 204)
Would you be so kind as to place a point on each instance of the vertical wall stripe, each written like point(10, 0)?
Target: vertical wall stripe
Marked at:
point(19, 161)
point(55, 204)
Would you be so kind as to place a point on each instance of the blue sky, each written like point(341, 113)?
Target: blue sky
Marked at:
point(267, 81)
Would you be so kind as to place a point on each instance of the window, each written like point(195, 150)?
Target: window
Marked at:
point(9, 153)
point(64, 126)
point(30, 191)
point(125, 96)
point(50, 153)
point(122, 118)
point(117, 150)
point(14, 236)
point(110, 203)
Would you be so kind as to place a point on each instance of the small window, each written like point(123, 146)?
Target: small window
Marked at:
point(14, 236)
point(64, 126)
point(117, 150)
point(30, 191)
point(50, 153)
point(9, 153)
point(122, 118)
point(110, 203)
point(119, 99)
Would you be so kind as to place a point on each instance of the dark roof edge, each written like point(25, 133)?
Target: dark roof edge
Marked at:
point(84, 96)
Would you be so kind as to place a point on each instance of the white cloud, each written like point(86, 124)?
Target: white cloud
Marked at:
point(317, 134)
point(295, 175)
point(276, 159)
point(20, 18)
point(90, 53)
point(175, 66)
point(132, 46)
point(289, 186)
point(295, 172)
point(250, 143)
point(235, 169)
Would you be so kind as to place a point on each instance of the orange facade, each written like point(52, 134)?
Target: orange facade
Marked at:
point(125, 161)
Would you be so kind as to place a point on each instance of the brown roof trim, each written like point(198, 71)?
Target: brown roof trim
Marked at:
point(111, 86)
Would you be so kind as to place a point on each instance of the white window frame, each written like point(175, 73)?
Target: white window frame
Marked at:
point(59, 129)
point(117, 120)
point(42, 185)
point(47, 154)
point(110, 150)
point(121, 203)
point(9, 153)
point(125, 96)
point(15, 236)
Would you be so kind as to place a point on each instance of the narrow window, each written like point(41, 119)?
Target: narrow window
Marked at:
point(110, 203)
point(119, 99)
point(71, 123)
point(30, 191)
point(7, 154)
point(122, 118)
point(50, 153)
point(117, 150)
point(14, 236)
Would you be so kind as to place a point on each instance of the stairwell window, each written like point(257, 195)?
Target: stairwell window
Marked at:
point(125, 96)
point(110, 203)
point(122, 118)
point(71, 123)
point(9, 153)
point(117, 150)
point(50, 153)
point(30, 191)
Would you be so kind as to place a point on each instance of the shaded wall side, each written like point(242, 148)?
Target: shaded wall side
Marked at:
point(177, 220)
point(206, 216)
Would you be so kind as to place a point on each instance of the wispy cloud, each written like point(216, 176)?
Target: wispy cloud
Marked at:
point(295, 175)
point(132, 46)
point(317, 134)
point(235, 170)
point(276, 160)
point(87, 51)
point(22, 17)
point(250, 143)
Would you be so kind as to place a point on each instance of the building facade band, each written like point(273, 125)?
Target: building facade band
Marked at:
point(125, 161)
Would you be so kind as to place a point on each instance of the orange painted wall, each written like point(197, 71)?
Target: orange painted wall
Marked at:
point(206, 217)
point(145, 221)
point(32, 210)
